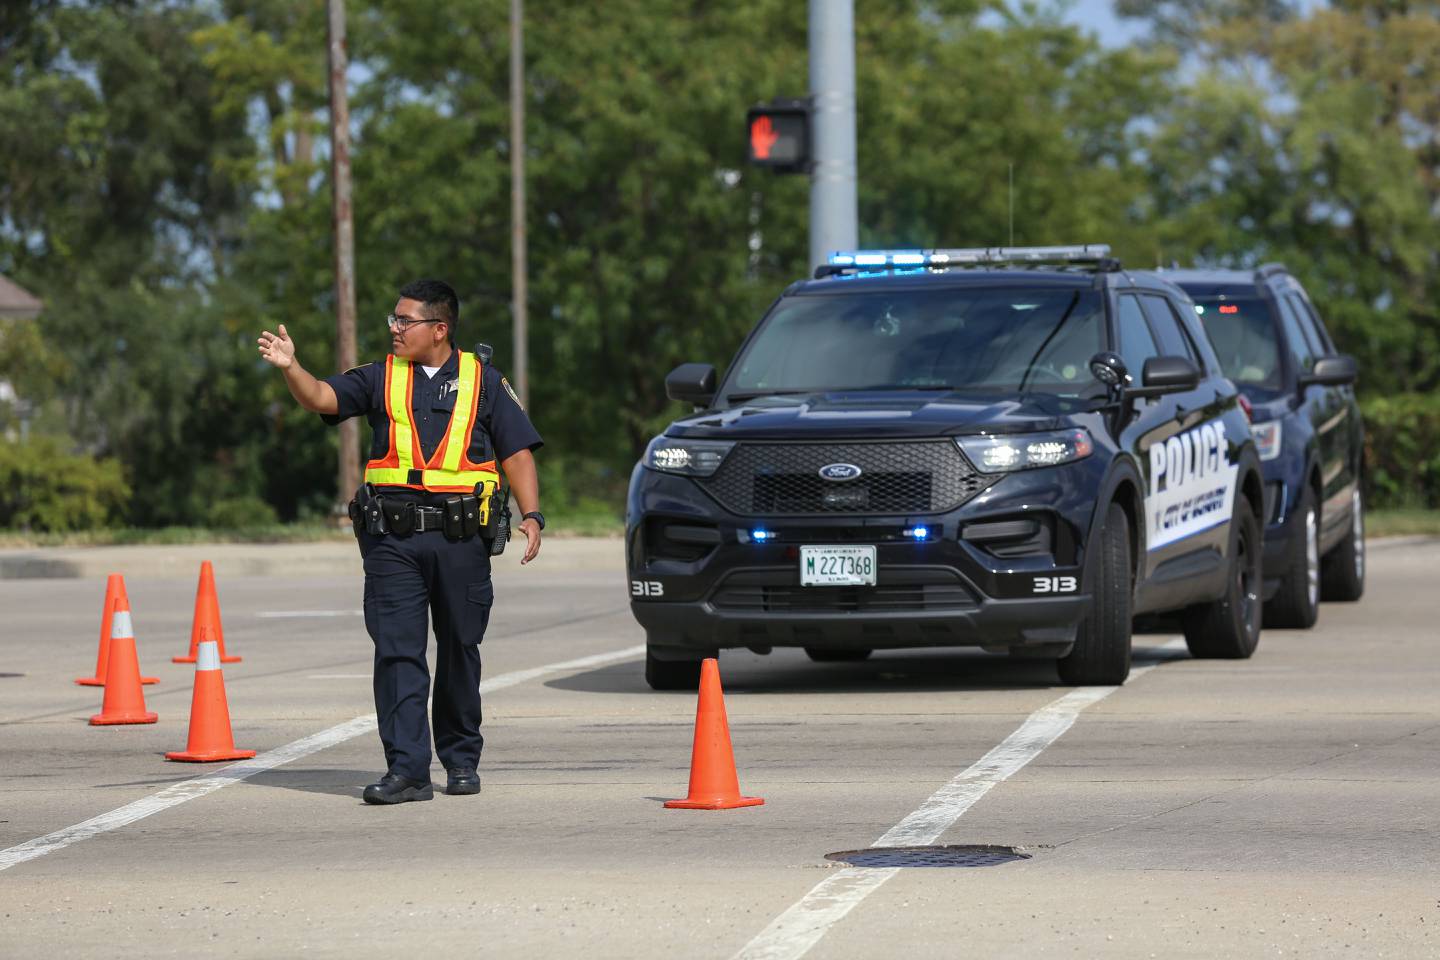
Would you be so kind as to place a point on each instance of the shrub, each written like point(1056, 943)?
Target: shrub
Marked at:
point(45, 487)
point(1402, 450)
point(240, 513)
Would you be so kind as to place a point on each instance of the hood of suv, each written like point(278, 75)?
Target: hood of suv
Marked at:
point(898, 413)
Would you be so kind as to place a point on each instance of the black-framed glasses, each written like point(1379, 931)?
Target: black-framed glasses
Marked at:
point(404, 323)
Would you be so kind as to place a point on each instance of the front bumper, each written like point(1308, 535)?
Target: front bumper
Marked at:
point(949, 590)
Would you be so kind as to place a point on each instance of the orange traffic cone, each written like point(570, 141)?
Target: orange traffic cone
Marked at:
point(713, 782)
point(114, 587)
point(207, 610)
point(124, 700)
point(210, 736)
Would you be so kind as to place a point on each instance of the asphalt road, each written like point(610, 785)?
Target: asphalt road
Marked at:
point(1284, 806)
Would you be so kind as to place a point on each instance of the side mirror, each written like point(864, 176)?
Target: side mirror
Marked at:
point(1334, 371)
point(691, 383)
point(1166, 375)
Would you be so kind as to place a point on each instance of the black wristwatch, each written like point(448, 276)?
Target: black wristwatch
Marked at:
point(537, 516)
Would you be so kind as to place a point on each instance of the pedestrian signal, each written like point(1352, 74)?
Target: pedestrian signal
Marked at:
point(779, 136)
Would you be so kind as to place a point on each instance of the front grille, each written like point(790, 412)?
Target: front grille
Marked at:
point(931, 591)
point(905, 477)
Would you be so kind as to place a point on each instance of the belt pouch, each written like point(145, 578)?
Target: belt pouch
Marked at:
point(454, 518)
point(470, 515)
point(375, 523)
point(357, 516)
point(400, 515)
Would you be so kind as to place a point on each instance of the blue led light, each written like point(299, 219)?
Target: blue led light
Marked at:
point(918, 533)
point(869, 259)
point(760, 536)
point(841, 259)
point(907, 259)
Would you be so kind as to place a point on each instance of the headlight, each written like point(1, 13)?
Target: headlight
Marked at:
point(691, 458)
point(1022, 451)
point(1267, 439)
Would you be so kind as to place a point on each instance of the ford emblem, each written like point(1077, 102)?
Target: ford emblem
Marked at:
point(840, 472)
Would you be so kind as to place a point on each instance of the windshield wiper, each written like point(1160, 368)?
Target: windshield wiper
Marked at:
point(896, 386)
point(734, 397)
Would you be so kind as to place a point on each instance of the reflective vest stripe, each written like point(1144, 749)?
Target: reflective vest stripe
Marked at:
point(460, 426)
point(448, 469)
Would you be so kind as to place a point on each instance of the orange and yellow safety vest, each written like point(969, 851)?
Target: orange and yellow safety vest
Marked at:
point(449, 469)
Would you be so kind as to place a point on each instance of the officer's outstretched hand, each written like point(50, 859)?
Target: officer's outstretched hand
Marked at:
point(531, 529)
point(277, 350)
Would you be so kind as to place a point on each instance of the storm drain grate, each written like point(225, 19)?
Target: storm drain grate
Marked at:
point(942, 856)
point(11, 676)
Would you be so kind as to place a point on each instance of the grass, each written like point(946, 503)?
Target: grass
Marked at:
point(578, 523)
point(1402, 523)
point(585, 522)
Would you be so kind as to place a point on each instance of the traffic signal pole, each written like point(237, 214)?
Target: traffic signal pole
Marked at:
point(834, 217)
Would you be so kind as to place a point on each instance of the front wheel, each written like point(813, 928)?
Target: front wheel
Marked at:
point(1297, 604)
point(1343, 570)
point(1101, 655)
point(673, 670)
point(1229, 628)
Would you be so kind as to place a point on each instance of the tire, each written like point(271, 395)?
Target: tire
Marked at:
point(667, 674)
point(1229, 628)
point(837, 656)
point(1297, 604)
point(1101, 654)
point(1342, 572)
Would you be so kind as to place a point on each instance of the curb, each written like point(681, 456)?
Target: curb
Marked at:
point(334, 559)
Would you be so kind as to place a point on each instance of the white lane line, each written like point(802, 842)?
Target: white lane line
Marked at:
point(794, 932)
point(200, 786)
point(306, 614)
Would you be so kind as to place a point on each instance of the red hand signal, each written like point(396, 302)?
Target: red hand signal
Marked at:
point(762, 137)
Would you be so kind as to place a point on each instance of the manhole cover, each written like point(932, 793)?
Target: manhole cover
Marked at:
point(944, 856)
point(5, 676)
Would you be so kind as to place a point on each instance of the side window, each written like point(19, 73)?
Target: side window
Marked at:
point(1167, 328)
point(1301, 351)
point(1137, 344)
point(1312, 326)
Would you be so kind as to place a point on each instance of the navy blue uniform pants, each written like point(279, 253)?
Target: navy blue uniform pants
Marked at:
point(407, 578)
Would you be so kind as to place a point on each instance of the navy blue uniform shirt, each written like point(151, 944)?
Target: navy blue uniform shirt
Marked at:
point(502, 428)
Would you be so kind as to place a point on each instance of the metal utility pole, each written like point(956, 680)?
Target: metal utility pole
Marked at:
point(833, 208)
point(517, 201)
point(347, 475)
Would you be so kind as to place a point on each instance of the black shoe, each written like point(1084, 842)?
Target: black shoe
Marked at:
point(462, 780)
point(394, 788)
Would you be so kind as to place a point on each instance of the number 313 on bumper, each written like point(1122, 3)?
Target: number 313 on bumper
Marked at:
point(1054, 584)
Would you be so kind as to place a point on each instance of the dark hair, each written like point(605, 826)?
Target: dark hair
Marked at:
point(437, 295)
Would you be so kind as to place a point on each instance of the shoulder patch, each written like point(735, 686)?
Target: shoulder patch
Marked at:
point(505, 382)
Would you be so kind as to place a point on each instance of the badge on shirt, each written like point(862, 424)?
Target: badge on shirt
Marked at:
point(505, 382)
point(449, 387)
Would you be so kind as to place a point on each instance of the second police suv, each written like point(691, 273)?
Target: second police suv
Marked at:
point(1019, 449)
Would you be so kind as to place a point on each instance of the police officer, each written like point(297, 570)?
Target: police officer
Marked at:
point(442, 421)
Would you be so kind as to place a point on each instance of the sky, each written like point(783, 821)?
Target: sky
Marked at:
point(1099, 17)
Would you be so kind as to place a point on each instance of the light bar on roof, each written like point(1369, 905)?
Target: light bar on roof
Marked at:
point(1081, 253)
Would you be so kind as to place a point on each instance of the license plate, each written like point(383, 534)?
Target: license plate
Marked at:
point(837, 566)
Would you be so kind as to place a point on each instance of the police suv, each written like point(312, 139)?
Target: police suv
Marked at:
point(1019, 449)
point(1272, 343)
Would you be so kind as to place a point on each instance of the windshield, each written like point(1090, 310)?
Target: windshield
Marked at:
point(1243, 335)
point(1004, 340)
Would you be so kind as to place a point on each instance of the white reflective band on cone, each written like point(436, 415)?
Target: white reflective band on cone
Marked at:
point(209, 656)
point(120, 626)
